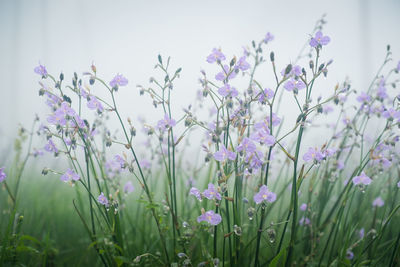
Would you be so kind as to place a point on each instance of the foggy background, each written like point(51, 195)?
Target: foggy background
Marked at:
point(126, 37)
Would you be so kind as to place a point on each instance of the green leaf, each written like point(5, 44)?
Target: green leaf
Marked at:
point(120, 260)
point(160, 59)
point(30, 238)
point(27, 249)
point(279, 259)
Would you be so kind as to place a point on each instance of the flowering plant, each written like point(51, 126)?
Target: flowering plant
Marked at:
point(304, 200)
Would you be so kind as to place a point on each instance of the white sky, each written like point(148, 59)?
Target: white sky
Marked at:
point(126, 37)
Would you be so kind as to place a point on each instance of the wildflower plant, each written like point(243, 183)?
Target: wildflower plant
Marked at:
point(264, 194)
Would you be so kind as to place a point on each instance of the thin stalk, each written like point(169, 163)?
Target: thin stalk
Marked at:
point(395, 251)
point(259, 232)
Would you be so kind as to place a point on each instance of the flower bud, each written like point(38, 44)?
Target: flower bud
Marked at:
point(133, 131)
point(229, 103)
point(45, 171)
point(93, 67)
point(237, 230)
point(233, 61)
point(250, 212)
point(188, 121)
point(288, 69)
point(311, 64)
point(205, 93)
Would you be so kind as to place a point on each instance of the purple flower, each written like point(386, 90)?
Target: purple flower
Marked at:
point(363, 98)
point(391, 113)
point(69, 175)
point(211, 217)
point(227, 90)
point(94, 103)
point(329, 152)
point(380, 159)
point(313, 154)
point(113, 168)
point(378, 202)
point(66, 108)
point(120, 160)
point(268, 37)
point(346, 121)
point(79, 121)
point(211, 192)
point(223, 154)
point(195, 192)
point(128, 187)
point(190, 181)
point(84, 93)
point(246, 51)
point(41, 70)
point(295, 71)
point(294, 84)
point(361, 233)
point(349, 254)
point(57, 118)
point(340, 165)
point(52, 100)
point(398, 184)
point(319, 40)
point(247, 146)
point(262, 125)
point(381, 92)
point(303, 206)
point(3, 175)
point(242, 64)
point(263, 137)
point(226, 74)
point(145, 164)
point(37, 152)
point(361, 179)
point(264, 195)
point(216, 55)
point(266, 94)
point(165, 123)
point(51, 147)
point(102, 199)
point(327, 109)
point(275, 119)
point(254, 159)
point(118, 80)
point(304, 221)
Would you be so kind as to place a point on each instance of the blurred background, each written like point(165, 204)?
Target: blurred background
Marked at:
point(126, 37)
